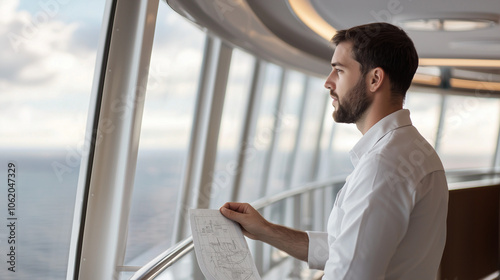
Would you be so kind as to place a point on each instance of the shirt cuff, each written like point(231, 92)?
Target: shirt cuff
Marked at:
point(318, 249)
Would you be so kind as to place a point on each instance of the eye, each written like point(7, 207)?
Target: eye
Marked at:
point(338, 70)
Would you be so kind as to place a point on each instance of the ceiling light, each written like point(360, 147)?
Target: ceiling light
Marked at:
point(426, 79)
point(308, 15)
point(439, 24)
point(459, 62)
point(488, 87)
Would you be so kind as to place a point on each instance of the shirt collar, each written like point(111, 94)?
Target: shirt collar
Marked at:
point(389, 123)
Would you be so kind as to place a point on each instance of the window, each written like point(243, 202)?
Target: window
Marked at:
point(316, 97)
point(470, 132)
point(326, 154)
point(425, 109)
point(166, 126)
point(254, 170)
point(233, 117)
point(47, 53)
point(281, 162)
point(345, 136)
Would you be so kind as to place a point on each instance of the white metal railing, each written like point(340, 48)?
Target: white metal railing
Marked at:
point(165, 260)
point(299, 196)
point(319, 209)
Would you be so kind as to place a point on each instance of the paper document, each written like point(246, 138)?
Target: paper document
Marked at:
point(221, 249)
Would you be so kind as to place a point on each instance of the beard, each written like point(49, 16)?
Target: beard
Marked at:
point(353, 105)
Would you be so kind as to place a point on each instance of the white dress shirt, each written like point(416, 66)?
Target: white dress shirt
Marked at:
point(389, 219)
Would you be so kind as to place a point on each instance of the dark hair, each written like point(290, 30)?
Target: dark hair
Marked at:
point(386, 46)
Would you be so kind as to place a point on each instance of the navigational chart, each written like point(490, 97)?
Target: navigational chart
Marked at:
point(221, 249)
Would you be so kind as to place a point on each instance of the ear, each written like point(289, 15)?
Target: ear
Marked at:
point(376, 77)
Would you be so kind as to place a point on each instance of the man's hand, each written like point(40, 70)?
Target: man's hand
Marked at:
point(253, 225)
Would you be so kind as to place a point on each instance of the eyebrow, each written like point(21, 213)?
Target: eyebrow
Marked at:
point(337, 64)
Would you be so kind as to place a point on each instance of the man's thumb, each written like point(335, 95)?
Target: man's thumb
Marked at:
point(230, 214)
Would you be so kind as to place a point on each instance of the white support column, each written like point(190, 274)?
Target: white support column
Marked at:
point(251, 116)
point(439, 131)
point(292, 167)
point(496, 157)
point(105, 197)
point(213, 123)
point(312, 220)
point(263, 258)
point(274, 140)
point(196, 188)
point(317, 152)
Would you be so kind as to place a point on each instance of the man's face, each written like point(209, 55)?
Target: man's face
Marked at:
point(347, 86)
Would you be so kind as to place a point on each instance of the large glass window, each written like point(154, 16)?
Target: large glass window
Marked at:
point(255, 167)
point(286, 133)
point(233, 117)
point(470, 132)
point(425, 109)
point(345, 136)
point(308, 144)
point(165, 132)
point(326, 154)
point(48, 54)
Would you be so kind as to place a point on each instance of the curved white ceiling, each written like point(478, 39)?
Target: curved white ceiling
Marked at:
point(272, 30)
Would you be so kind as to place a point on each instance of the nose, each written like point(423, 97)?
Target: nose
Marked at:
point(330, 81)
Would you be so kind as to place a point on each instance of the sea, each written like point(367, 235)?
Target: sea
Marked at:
point(35, 228)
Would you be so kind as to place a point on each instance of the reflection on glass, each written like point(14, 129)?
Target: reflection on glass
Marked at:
point(253, 173)
point(286, 133)
point(315, 104)
point(233, 117)
point(470, 132)
point(425, 109)
point(166, 126)
point(47, 56)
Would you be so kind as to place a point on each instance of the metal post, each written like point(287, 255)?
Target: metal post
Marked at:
point(195, 148)
point(204, 135)
point(439, 132)
point(263, 266)
point(274, 140)
point(317, 153)
point(291, 178)
point(213, 126)
point(249, 125)
point(496, 157)
point(106, 203)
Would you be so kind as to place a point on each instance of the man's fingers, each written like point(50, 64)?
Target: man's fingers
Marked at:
point(228, 213)
point(237, 206)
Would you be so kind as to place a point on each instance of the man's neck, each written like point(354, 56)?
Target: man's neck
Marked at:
point(374, 114)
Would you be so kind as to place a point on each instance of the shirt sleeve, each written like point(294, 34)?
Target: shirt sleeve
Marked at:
point(318, 249)
point(375, 216)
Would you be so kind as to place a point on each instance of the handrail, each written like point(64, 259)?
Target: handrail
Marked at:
point(266, 201)
point(170, 256)
point(485, 171)
point(164, 260)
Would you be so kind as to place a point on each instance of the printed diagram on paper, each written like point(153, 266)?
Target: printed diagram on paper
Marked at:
point(221, 249)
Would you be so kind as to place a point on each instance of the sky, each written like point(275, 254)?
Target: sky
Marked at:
point(46, 72)
point(48, 52)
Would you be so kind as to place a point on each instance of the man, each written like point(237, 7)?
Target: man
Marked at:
point(389, 219)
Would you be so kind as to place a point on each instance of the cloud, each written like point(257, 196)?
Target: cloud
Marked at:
point(7, 9)
point(46, 74)
point(34, 48)
point(47, 66)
